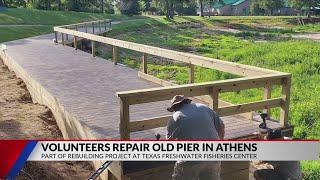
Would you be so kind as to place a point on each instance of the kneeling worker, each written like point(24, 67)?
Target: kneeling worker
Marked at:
point(282, 170)
point(194, 121)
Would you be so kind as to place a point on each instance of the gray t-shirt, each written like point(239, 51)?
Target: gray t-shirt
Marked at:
point(194, 121)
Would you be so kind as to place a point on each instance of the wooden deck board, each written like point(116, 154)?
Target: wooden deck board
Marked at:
point(85, 87)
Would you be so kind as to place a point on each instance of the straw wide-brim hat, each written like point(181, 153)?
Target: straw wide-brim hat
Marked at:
point(177, 100)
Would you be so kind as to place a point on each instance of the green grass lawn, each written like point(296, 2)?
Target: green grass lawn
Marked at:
point(299, 57)
point(260, 44)
point(48, 19)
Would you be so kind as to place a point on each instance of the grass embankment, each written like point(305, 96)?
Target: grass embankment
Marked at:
point(299, 57)
point(42, 21)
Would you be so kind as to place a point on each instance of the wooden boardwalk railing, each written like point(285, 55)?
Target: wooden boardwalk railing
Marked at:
point(252, 77)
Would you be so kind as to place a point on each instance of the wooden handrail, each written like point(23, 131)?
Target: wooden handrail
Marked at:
point(254, 77)
point(198, 89)
point(225, 66)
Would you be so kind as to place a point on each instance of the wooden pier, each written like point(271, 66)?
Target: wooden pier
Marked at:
point(93, 98)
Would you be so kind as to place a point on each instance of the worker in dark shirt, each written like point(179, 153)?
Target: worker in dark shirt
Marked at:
point(194, 121)
point(282, 170)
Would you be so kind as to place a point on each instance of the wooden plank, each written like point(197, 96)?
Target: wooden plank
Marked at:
point(284, 130)
point(116, 168)
point(205, 98)
point(284, 111)
point(151, 123)
point(82, 23)
point(191, 73)
point(124, 119)
point(93, 48)
point(198, 89)
point(115, 54)
point(267, 95)
point(230, 67)
point(246, 107)
point(144, 63)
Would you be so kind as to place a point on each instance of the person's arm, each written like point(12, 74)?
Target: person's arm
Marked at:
point(219, 125)
point(221, 131)
point(172, 129)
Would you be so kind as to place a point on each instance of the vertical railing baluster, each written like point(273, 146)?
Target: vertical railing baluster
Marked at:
point(285, 94)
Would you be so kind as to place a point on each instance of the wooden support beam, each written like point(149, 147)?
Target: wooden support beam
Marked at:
point(93, 48)
point(144, 63)
point(99, 23)
point(56, 36)
point(115, 54)
point(62, 39)
point(92, 27)
point(247, 107)
point(105, 25)
point(86, 27)
point(152, 123)
point(110, 24)
point(124, 119)
point(67, 37)
point(214, 94)
point(206, 99)
point(284, 111)
point(198, 89)
point(191, 73)
point(75, 44)
point(267, 95)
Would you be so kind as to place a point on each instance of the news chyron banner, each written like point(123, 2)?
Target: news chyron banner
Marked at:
point(13, 154)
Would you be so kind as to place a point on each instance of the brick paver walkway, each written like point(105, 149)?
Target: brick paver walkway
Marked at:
point(86, 87)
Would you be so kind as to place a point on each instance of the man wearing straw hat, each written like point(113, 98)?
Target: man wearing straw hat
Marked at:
point(194, 121)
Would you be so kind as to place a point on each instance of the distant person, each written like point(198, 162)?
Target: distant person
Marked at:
point(194, 121)
point(282, 170)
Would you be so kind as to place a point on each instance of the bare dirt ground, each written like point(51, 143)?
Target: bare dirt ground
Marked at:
point(21, 119)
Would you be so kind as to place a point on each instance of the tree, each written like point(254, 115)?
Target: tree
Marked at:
point(201, 8)
point(58, 2)
point(128, 7)
point(268, 6)
point(305, 5)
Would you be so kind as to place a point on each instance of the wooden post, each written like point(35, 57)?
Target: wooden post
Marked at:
point(67, 37)
point(115, 54)
point(62, 39)
point(110, 24)
point(99, 27)
point(144, 63)
point(76, 27)
point(105, 25)
point(75, 42)
point(93, 48)
point(124, 119)
point(191, 73)
point(86, 27)
point(92, 27)
point(284, 111)
point(214, 94)
point(267, 95)
point(56, 36)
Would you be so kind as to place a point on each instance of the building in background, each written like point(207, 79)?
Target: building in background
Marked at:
point(227, 8)
point(241, 8)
